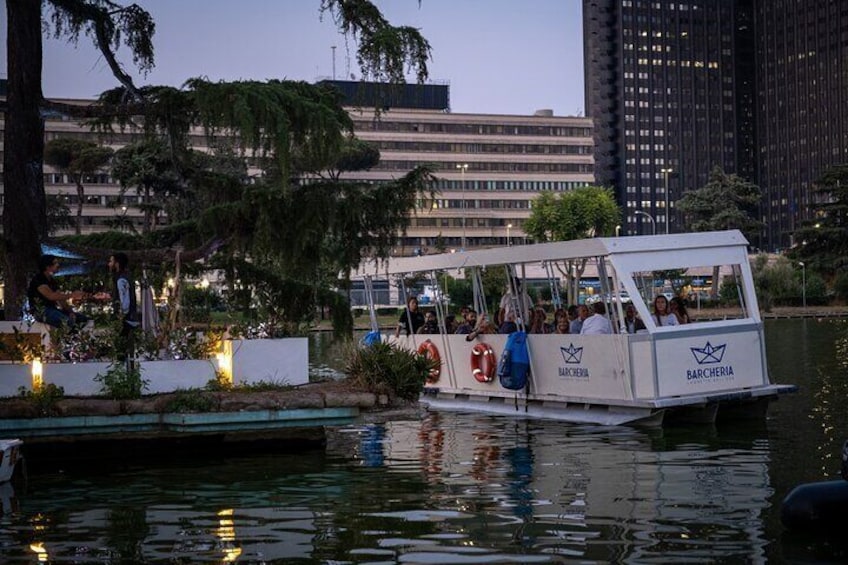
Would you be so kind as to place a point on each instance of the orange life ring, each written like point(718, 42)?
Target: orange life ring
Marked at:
point(483, 362)
point(429, 350)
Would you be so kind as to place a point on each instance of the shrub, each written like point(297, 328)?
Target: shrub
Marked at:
point(840, 285)
point(43, 398)
point(122, 382)
point(384, 368)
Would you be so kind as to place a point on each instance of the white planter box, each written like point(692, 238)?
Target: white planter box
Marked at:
point(13, 376)
point(284, 361)
point(76, 378)
point(168, 376)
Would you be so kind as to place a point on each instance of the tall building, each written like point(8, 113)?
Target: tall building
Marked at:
point(489, 167)
point(754, 86)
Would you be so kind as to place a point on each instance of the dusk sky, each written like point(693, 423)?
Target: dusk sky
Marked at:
point(499, 56)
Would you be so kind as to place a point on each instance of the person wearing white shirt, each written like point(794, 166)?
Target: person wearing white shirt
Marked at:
point(597, 323)
point(662, 315)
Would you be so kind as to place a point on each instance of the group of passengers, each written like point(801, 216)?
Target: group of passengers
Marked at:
point(575, 319)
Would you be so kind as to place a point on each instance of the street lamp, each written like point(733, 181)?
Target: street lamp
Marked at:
point(617, 231)
point(462, 168)
point(650, 217)
point(665, 173)
point(508, 241)
point(803, 284)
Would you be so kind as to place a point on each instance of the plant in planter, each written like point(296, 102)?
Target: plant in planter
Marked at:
point(122, 381)
point(384, 368)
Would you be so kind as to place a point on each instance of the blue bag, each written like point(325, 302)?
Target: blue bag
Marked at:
point(515, 362)
point(371, 338)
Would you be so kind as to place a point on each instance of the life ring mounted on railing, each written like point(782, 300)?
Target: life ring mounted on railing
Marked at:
point(428, 350)
point(483, 362)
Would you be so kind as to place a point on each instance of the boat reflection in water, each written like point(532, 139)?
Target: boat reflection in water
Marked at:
point(604, 494)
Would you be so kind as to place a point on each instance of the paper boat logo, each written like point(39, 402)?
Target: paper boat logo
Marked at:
point(571, 354)
point(709, 354)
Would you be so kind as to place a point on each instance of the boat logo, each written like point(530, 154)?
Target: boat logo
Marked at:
point(571, 354)
point(708, 354)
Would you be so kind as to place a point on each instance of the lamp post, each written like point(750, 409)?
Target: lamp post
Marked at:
point(508, 240)
point(462, 168)
point(665, 173)
point(803, 283)
point(617, 230)
point(650, 217)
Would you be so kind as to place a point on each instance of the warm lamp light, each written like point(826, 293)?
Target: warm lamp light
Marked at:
point(37, 374)
point(225, 360)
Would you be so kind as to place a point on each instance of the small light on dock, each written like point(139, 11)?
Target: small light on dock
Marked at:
point(37, 374)
point(225, 360)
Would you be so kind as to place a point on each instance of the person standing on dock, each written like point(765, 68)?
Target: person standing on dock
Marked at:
point(124, 305)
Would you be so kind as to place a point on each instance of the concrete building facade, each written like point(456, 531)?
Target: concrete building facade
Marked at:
point(489, 169)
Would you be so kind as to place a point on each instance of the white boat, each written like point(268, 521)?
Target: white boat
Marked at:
point(695, 372)
point(10, 454)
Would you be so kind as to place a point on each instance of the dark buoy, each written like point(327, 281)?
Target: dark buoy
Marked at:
point(818, 507)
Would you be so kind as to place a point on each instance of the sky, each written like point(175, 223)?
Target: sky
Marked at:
point(499, 56)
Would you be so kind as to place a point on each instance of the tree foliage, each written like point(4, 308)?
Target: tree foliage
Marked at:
point(726, 202)
point(822, 242)
point(588, 211)
point(304, 232)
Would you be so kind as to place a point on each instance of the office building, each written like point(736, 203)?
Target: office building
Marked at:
point(754, 86)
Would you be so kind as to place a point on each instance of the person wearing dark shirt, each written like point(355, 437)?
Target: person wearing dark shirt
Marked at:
point(468, 325)
point(124, 304)
point(411, 315)
point(431, 324)
point(47, 303)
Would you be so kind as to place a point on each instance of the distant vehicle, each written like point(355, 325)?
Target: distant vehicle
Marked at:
point(625, 298)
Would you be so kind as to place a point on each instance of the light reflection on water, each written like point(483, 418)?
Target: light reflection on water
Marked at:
point(465, 488)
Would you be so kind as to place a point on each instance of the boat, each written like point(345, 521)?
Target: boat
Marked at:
point(697, 372)
point(10, 455)
point(818, 507)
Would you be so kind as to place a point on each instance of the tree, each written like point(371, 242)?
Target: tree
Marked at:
point(271, 117)
point(24, 205)
point(822, 242)
point(77, 158)
point(148, 167)
point(726, 202)
point(588, 211)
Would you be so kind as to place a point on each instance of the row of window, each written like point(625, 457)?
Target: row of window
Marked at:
point(501, 148)
point(390, 165)
point(509, 185)
point(512, 223)
point(471, 129)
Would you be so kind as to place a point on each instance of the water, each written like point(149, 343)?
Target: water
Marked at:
point(461, 488)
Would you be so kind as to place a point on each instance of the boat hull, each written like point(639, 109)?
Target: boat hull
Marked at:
point(10, 454)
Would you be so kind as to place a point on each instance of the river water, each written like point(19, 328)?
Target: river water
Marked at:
point(461, 488)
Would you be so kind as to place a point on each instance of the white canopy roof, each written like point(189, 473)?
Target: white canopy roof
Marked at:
point(637, 252)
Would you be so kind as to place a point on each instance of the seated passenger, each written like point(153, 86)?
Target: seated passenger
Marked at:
point(538, 323)
point(632, 322)
point(662, 315)
point(677, 306)
point(562, 326)
point(49, 305)
point(576, 315)
point(509, 326)
point(450, 324)
point(469, 323)
point(431, 325)
point(597, 323)
point(484, 326)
